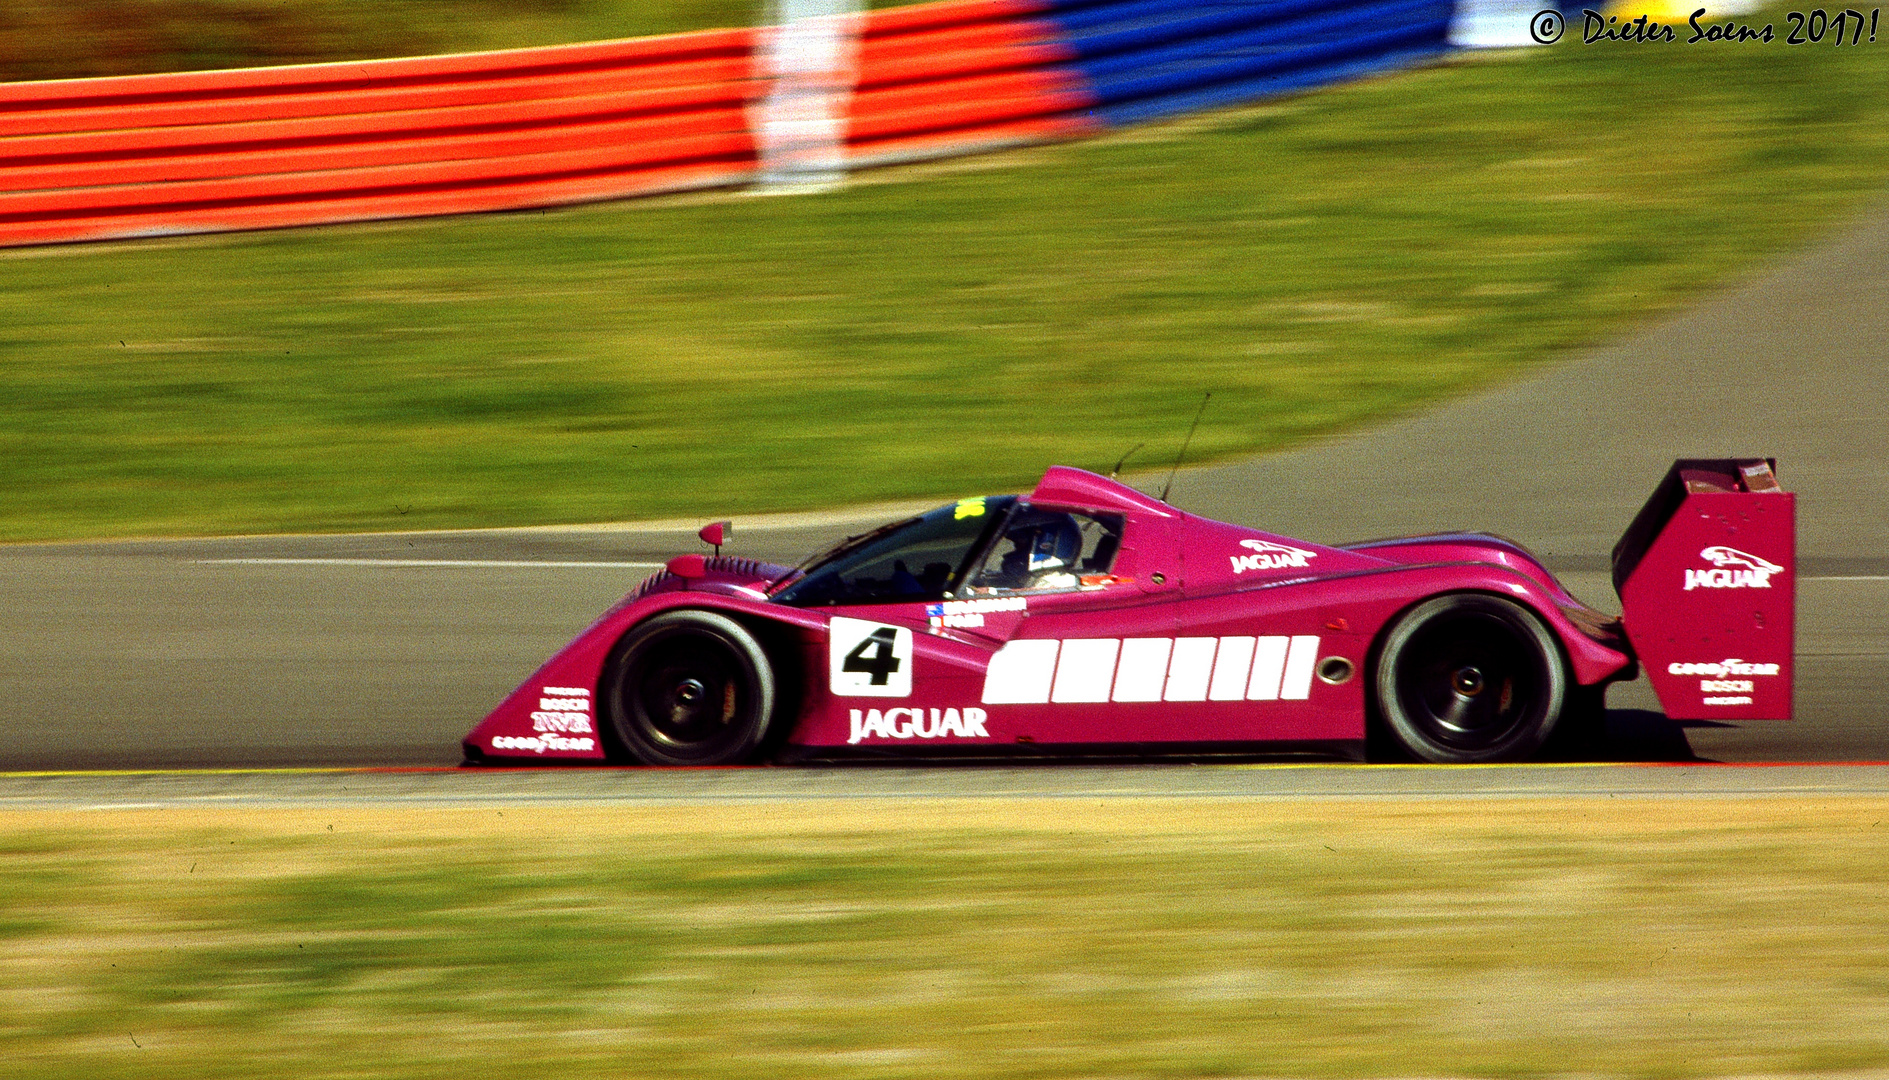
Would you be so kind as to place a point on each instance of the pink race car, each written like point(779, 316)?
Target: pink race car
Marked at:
point(1089, 617)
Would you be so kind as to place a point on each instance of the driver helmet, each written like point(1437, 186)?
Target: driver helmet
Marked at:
point(1051, 542)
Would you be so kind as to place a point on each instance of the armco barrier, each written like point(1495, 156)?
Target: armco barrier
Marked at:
point(954, 76)
point(206, 151)
point(961, 76)
point(1148, 58)
point(257, 148)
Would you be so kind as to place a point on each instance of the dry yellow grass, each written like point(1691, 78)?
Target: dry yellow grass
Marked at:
point(1681, 937)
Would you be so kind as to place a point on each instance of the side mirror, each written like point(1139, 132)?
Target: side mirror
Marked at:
point(717, 534)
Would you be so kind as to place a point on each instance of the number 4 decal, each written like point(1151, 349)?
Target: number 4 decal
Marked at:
point(868, 659)
point(884, 661)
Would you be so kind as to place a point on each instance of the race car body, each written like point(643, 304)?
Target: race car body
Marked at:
point(1087, 615)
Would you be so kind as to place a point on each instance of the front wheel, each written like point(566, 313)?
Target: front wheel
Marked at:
point(689, 688)
point(1470, 678)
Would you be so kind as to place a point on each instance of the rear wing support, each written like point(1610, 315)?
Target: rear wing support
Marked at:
point(1707, 577)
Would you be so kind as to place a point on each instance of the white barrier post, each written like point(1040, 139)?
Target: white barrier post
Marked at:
point(1493, 24)
point(809, 56)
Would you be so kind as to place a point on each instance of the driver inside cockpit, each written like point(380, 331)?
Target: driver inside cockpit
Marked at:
point(1044, 548)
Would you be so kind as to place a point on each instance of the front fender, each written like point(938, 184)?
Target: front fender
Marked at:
point(554, 713)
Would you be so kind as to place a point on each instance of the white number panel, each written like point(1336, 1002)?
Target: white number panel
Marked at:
point(868, 659)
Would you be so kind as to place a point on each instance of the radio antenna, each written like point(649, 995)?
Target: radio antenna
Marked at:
point(1165, 488)
point(1121, 460)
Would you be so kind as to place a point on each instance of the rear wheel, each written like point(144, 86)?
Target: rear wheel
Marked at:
point(689, 688)
point(1470, 678)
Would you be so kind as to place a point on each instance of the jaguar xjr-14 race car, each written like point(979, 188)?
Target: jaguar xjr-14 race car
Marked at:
point(1087, 616)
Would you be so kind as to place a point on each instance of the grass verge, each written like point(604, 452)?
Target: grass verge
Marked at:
point(1319, 263)
point(1656, 938)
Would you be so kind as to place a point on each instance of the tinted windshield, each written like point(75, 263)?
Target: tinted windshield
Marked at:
point(921, 559)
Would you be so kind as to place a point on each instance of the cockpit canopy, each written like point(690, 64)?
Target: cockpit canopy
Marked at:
point(985, 546)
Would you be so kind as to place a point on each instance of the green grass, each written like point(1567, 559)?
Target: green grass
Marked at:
point(1658, 939)
point(1319, 264)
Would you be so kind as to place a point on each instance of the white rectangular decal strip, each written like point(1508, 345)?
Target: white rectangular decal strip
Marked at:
point(1230, 665)
point(1269, 663)
point(1299, 661)
point(1085, 669)
point(1189, 669)
point(1079, 670)
point(1144, 669)
point(1020, 673)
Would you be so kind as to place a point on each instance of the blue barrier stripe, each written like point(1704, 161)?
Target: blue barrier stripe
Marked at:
point(1242, 91)
point(1095, 12)
point(1147, 25)
point(1329, 25)
point(1411, 24)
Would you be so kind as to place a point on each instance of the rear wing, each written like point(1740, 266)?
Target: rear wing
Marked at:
point(1707, 577)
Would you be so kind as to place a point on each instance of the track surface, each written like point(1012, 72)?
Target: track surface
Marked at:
point(830, 786)
point(387, 648)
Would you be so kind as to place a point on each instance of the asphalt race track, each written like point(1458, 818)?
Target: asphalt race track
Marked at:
point(382, 650)
point(814, 793)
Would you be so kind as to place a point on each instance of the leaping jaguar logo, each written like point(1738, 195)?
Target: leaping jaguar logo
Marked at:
point(1270, 556)
point(1721, 555)
point(1737, 570)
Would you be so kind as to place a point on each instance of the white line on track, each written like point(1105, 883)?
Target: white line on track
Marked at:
point(434, 562)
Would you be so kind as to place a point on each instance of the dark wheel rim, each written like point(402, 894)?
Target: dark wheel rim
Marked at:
point(1470, 680)
point(687, 693)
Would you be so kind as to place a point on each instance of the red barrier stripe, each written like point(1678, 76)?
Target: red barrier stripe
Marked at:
point(902, 20)
point(635, 97)
point(524, 194)
point(951, 39)
point(679, 80)
point(344, 183)
point(351, 183)
point(949, 77)
point(262, 148)
point(926, 146)
point(121, 90)
point(960, 115)
point(433, 147)
point(922, 67)
point(254, 136)
point(1067, 88)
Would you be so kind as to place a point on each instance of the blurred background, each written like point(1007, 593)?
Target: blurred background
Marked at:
point(1319, 261)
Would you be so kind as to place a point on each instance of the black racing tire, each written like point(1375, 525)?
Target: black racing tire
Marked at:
point(1468, 677)
point(689, 688)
